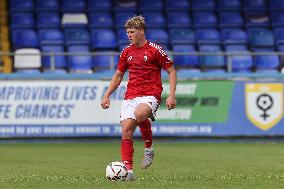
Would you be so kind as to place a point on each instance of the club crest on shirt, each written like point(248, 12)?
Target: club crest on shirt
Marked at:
point(145, 58)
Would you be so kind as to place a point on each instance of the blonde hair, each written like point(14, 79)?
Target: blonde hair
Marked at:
point(136, 22)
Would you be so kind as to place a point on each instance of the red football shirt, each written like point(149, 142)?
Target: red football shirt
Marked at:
point(144, 65)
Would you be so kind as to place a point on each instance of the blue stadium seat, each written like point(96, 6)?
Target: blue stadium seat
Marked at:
point(79, 62)
point(185, 60)
point(211, 60)
point(260, 37)
point(186, 73)
point(236, 48)
point(280, 48)
point(107, 74)
point(203, 5)
point(181, 5)
point(204, 19)
point(277, 19)
point(129, 5)
point(100, 20)
point(149, 5)
point(122, 17)
point(229, 5)
point(165, 47)
point(55, 71)
point(159, 36)
point(51, 37)
point(76, 36)
point(73, 6)
point(164, 75)
point(279, 36)
point(24, 38)
point(182, 36)
point(276, 5)
point(21, 5)
point(231, 19)
point(178, 20)
point(154, 19)
point(122, 37)
point(103, 39)
point(58, 60)
point(255, 5)
point(266, 61)
point(99, 5)
point(122, 47)
point(208, 36)
point(268, 71)
point(48, 20)
point(22, 20)
point(241, 60)
point(234, 36)
point(214, 70)
point(257, 19)
point(105, 62)
point(245, 70)
point(47, 5)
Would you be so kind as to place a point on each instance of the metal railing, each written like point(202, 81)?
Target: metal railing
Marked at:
point(227, 55)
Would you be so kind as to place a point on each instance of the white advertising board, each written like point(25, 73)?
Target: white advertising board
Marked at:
point(57, 102)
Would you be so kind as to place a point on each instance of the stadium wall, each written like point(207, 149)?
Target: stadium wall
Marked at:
point(69, 106)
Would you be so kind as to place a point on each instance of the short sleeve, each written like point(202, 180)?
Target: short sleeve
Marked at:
point(122, 63)
point(163, 59)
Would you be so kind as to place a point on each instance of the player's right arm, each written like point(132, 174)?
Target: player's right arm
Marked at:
point(114, 83)
point(116, 79)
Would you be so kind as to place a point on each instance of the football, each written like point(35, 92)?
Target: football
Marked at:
point(116, 171)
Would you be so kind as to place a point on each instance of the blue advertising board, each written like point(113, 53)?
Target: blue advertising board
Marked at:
point(211, 108)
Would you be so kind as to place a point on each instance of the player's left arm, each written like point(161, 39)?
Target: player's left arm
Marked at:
point(171, 100)
point(167, 65)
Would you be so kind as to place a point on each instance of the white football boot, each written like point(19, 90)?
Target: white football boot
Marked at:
point(130, 176)
point(148, 158)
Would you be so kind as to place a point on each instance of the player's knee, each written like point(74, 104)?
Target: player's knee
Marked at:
point(127, 134)
point(140, 115)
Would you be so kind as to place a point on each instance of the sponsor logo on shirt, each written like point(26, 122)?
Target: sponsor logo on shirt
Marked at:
point(160, 49)
point(129, 58)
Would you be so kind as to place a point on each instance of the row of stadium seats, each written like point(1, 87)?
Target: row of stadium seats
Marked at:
point(205, 40)
point(181, 19)
point(108, 39)
point(79, 57)
point(81, 29)
point(76, 58)
point(144, 5)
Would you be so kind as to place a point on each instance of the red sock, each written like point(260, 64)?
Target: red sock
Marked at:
point(127, 153)
point(146, 132)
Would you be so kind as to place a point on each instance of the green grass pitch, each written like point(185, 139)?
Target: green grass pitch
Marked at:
point(177, 165)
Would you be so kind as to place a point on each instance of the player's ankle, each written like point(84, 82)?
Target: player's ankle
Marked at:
point(149, 147)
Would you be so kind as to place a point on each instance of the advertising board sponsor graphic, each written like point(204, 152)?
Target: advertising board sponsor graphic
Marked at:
point(51, 108)
point(57, 102)
point(264, 104)
point(198, 102)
